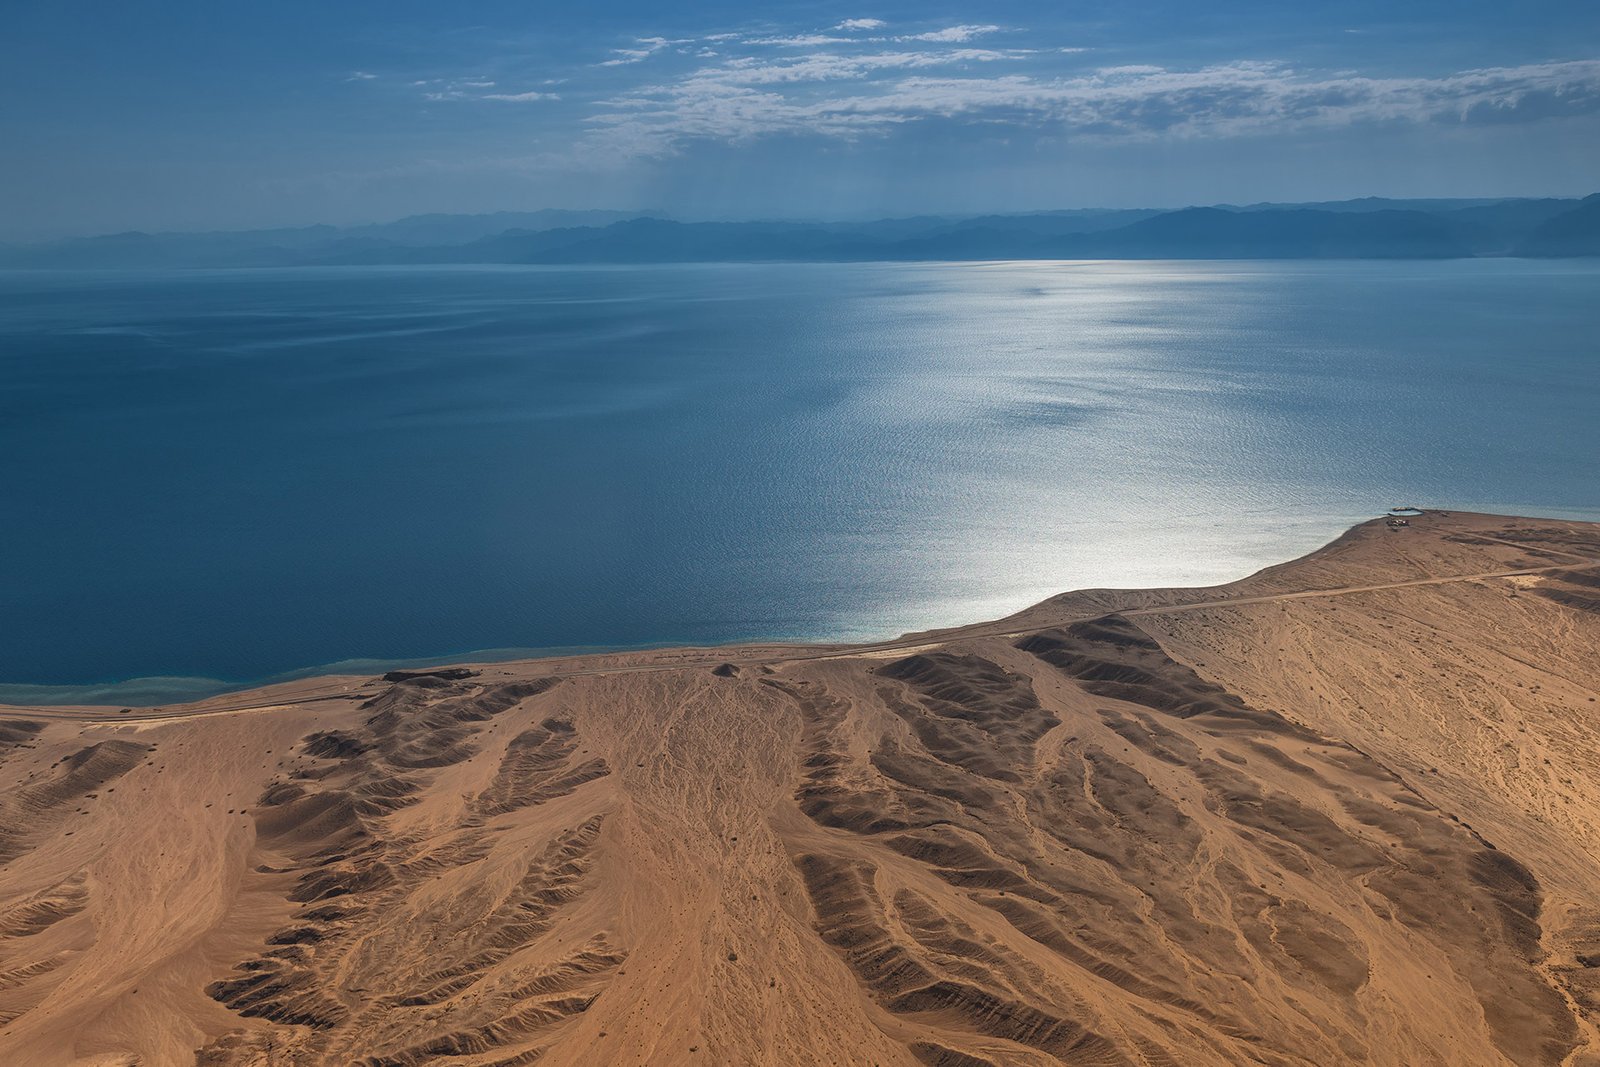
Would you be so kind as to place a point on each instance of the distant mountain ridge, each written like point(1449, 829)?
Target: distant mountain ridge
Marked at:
point(1571, 233)
point(1368, 228)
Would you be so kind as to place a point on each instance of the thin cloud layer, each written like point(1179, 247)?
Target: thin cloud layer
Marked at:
point(853, 82)
point(951, 34)
point(647, 47)
point(521, 97)
point(851, 94)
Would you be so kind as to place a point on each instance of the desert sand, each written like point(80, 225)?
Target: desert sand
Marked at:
point(1346, 810)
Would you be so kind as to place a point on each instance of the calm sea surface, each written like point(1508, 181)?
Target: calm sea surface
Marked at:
point(229, 475)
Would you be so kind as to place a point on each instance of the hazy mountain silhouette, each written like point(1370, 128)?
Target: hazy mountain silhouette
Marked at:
point(1494, 229)
point(1371, 227)
point(1214, 233)
point(1571, 233)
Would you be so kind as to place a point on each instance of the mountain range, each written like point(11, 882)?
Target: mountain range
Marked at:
point(1368, 228)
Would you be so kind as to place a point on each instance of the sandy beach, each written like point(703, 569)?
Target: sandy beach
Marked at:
point(1346, 810)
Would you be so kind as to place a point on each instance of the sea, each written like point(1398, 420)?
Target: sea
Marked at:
point(215, 478)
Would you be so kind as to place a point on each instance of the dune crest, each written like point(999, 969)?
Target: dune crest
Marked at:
point(1346, 810)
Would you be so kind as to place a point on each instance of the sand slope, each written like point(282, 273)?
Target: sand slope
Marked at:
point(1344, 811)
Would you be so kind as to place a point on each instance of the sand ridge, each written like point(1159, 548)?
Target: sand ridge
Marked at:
point(1343, 811)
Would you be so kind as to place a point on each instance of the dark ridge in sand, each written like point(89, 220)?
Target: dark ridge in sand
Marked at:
point(1344, 811)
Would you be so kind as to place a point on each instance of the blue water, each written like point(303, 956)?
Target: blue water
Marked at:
point(228, 475)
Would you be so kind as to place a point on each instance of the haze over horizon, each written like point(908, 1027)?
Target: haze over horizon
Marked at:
point(365, 113)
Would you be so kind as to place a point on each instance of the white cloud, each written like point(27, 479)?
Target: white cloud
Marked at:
point(951, 34)
point(806, 40)
point(625, 56)
point(850, 97)
point(622, 57)
point(825, 66)
point(867, 85)
point(361, 76)
point(519, 97)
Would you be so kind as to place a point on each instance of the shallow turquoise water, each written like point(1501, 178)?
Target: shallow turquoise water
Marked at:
point(228, 475)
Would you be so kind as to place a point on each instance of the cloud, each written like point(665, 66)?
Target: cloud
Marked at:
point(958, 82)
point(518, 97)
point(948, 35)
point(951, 34)
point(622, 57)
point(469, 89)
point(361, 76)
point(625, 56)
point(807, 40)
point(823, 67)
point(851, 97)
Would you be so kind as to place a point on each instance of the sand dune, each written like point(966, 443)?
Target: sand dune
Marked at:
point(1344, 811)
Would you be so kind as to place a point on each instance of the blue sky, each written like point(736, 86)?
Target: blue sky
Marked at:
point(225, 114)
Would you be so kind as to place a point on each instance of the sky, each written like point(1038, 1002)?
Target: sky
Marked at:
point(222, 114)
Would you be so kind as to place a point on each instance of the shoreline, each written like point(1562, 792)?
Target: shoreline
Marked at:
point(159, 689)
point(330, 681)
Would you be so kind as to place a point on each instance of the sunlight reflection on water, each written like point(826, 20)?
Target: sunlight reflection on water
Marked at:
point(232, 474)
